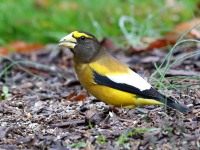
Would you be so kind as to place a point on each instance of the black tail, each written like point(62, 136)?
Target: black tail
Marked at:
point(170, 103)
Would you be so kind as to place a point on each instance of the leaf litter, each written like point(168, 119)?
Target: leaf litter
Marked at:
point(48, 108)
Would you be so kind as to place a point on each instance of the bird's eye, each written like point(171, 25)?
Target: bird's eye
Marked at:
point(82, 37)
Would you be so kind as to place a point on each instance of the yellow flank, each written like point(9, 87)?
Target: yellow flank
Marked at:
point(77, 34)
point(106, 94)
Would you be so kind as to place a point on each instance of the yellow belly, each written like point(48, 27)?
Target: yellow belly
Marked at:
point(112, 96)
point(109, 95)
point(118, 98)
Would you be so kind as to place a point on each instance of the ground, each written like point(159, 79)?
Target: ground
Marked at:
point(43, 105)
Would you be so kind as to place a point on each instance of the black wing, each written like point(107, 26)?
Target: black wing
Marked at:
point(147, 94)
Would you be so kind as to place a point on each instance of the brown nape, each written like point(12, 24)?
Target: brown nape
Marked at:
point(85, 51)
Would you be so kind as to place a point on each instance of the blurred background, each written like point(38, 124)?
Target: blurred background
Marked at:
point(46, 21)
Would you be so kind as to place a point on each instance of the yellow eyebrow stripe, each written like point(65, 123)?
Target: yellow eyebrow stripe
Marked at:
point(77, 34)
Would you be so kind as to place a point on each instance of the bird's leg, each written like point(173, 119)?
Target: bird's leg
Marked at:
point(109, 113)
point(113, 109)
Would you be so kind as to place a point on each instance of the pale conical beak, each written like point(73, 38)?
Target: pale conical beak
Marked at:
point(68, 41)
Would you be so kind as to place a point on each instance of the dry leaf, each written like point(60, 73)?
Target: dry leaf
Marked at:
point(42, 3)
point(73, 97)
point(20, 46)
point(3, 51)
point(183, 28)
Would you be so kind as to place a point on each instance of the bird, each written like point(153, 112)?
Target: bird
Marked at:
point(110, 80)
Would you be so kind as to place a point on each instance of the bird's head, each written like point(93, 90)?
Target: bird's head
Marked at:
point(83, 45)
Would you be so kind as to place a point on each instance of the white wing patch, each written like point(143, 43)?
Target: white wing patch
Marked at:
point(132, 79)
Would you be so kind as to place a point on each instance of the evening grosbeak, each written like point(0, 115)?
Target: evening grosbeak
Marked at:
point(108, 79)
